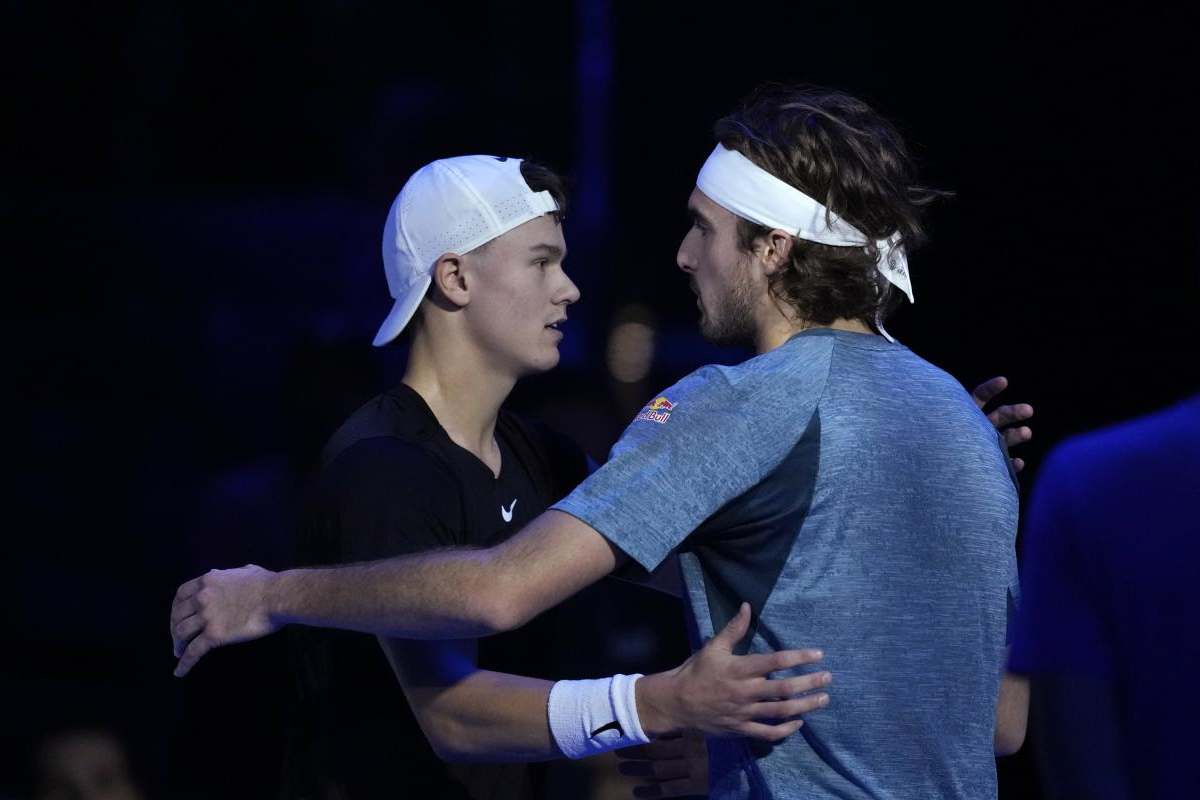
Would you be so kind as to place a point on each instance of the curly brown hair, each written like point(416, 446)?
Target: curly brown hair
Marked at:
point(841, 152)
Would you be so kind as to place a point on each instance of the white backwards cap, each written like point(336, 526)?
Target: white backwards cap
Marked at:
point(741, 187)
point(449, 206)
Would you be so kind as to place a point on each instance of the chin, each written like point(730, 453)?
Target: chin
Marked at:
point(544, 363)
point(724, 336)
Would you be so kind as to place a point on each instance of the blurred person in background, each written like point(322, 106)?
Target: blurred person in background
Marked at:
point(84, 764)
point(1109, 611)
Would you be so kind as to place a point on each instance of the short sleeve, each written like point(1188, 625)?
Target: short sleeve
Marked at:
point(695, 447)
point(1060, 621)
point(386, 497)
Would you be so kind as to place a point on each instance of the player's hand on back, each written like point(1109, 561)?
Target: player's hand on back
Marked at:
point(1006, 418)
point(223, 606)
point(670, 767)
point(721, 694)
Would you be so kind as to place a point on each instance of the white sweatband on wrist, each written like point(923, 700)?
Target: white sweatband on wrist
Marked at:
point(595, 716)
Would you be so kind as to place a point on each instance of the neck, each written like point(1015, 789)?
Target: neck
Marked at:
point(778, 328)
point(462, 391)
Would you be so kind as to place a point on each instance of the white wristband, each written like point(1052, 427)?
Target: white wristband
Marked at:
point(595, 716)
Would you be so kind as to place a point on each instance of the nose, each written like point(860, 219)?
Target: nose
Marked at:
point(569, 292)
point(683, 258)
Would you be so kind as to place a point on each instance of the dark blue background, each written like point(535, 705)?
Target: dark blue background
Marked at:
point(192, 201)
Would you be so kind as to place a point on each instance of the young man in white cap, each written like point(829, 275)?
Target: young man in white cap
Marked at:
point(473, 251)
point(851, 492)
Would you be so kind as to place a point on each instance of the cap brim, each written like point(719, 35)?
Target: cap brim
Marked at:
point(402, 311)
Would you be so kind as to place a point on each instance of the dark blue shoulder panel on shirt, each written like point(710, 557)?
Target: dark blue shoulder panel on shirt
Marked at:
point(744, 546)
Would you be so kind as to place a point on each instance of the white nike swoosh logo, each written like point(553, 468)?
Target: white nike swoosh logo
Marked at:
point(506, 513)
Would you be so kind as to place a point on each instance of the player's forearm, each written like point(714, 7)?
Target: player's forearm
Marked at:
point(492, 716)
point(487, 716)
point(447, 594)
point(1012, 714)
point(451, 594)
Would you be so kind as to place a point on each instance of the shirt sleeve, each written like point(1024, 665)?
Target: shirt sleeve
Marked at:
point(386, 497)
point(1060, 623)
point(692, 449)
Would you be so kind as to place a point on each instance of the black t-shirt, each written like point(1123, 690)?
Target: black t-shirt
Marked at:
point(393, 482)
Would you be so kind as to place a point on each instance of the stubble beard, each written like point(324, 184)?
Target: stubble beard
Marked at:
point(731, 322)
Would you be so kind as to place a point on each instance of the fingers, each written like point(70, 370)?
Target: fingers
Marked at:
point(661, 748)
point(771, 733)
point(184, 631)
point(984, 392)
point(762, 664)
point(1010, 415)
point(1016, 436)
point(183, 606)
point(195, 651)
point(182, 609)
point(789, 709)
point(785, 688)
point(1018, 464)
point(188, 589)
point(734, 631)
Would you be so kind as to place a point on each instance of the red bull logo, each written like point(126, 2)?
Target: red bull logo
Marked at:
point(657, 410)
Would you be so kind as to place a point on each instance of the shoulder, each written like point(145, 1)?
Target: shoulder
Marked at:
point(388, 454)
point(1150, 436)
point(1163, 447)
point(791, 376)
point(398, 413)
point(386, 469)
point(869, 360)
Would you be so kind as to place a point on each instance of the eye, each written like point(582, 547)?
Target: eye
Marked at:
point(542, 262)
point(701, 228)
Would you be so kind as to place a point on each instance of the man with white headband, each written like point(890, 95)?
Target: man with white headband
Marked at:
point(852, 494)
point(741, 187)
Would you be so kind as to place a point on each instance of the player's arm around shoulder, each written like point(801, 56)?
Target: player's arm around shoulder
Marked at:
point(381, 496)
point(550, 559)
point(443, 594)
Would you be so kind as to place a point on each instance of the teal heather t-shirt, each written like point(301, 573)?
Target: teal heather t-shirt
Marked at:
point(854, 495)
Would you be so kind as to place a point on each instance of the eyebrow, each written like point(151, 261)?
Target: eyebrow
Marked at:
point(551, 250)
point(696, 216)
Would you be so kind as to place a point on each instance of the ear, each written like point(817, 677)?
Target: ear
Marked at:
point(450, 279)
point(774, 249)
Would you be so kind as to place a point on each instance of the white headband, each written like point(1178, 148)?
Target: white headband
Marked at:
point(740, 186)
